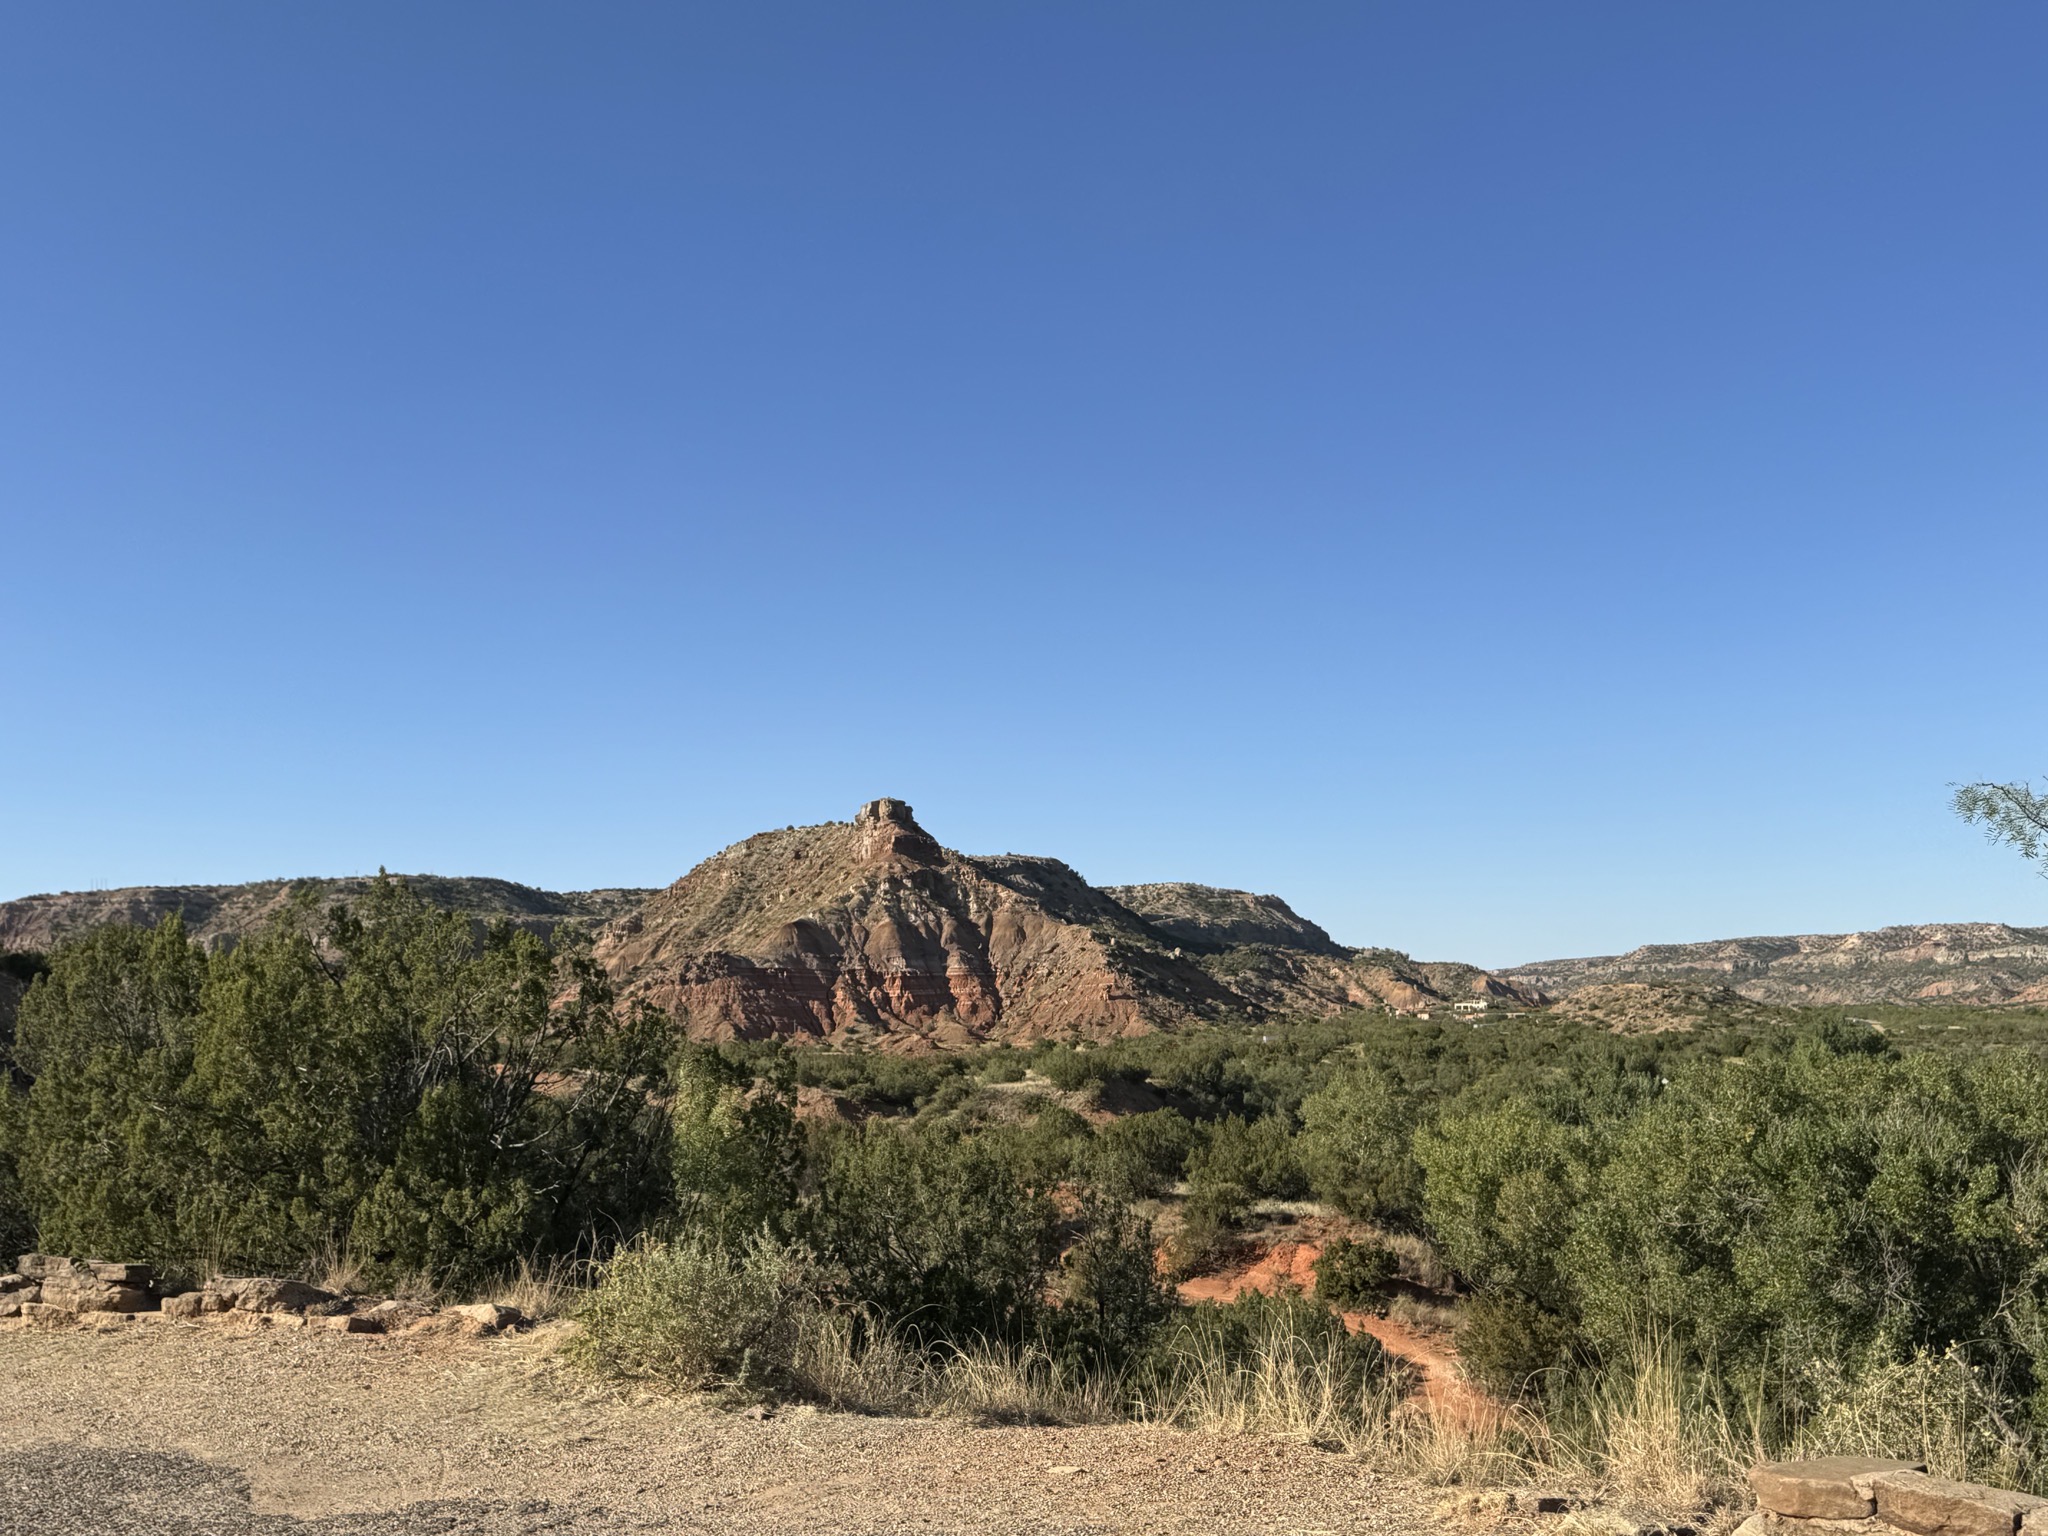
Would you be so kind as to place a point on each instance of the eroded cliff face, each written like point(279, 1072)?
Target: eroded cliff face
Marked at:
point(1973, 963)
point(870, 930)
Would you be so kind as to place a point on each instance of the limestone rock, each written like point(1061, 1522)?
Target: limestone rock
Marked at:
point(487, 1315)
point(81, 1293)
point(1825, 1488)
point(188, 1304)
point(390, 1316)
point(1935, 1506)
point(266, 1293)
point(9, 1283)
point(42, 1266)
point(121, 1274)
point(345, 1322)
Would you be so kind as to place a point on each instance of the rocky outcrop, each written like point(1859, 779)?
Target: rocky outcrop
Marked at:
point(1210, 917)
point(1883, 1498)
point(1967, 963)
point(870, 930)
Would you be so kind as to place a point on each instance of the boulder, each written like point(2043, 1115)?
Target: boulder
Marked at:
point(344, 1322)
point(11, 1302)
point(81, 1293)
point(390, 1316)
point(266, 1293)
point(189, 1304)
point(489, 1314)
point(12, 1283)
point(1825, 1488)
point(1935, 1506)
point(42, 1266)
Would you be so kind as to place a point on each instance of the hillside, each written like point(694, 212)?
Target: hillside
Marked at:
point(218, 915)
point(870, 930)
point(1986, 964)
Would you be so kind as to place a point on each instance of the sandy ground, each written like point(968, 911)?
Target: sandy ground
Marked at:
point(182, 1429)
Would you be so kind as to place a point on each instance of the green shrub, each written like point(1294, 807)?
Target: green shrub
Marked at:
point(1142, 1155)
point(1256, 1156)
point(1068, 1069)
point(1511, 1345)
point(1112, 1301)
point(736, 1151)
point(1354, 1148)
point(697, 1311)
point(394, 1088)
point(1208, 1230)
point(1353, 1276)
point(935, 1233)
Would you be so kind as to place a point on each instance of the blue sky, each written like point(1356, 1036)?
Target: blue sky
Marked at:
point(1515, 480)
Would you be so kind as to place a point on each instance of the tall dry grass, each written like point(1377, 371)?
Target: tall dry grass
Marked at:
point(552, 1288)
point(1278, 1381)
point(856, 1362)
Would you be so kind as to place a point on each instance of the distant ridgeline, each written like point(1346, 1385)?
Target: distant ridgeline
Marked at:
point(1987, 964)
point(870, 931)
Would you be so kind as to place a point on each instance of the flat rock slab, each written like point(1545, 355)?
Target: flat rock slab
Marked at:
point(1934, 1506)
point(266, 1293)
point(1825, 1488)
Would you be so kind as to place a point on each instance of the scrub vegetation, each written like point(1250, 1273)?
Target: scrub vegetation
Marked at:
point(1661, 1255)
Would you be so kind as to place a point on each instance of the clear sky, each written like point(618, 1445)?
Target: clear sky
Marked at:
point(1516, 480)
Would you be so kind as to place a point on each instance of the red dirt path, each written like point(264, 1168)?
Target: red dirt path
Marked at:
point(1449, 1397)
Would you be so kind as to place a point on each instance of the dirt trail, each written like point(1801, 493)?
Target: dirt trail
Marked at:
point(174, 1428)
point(1449, 1396)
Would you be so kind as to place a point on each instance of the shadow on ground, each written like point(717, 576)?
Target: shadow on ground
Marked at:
point(89, 1491)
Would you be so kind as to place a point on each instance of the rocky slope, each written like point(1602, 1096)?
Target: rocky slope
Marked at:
point(1966, 963)
point(871, 931)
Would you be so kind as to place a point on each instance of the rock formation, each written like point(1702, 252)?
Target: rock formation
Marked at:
point(870, 931)
point(1970, 963)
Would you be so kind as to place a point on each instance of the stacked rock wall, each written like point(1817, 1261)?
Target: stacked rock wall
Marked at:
point(50, 1291)
point(1867, 1495)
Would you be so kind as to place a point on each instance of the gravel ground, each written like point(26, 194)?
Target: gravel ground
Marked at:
point(175, 1429)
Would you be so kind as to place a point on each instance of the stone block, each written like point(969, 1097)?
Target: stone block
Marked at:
point(42, 1315)
point(82, 1293)
point(488, 1314)
point(189, 1304)
point(1935, 1506)
point(394, 1315)
point(266, 1293)
point(346, 1323)
point(121, 1274)
point(1825, 1488)
point(42, 1266)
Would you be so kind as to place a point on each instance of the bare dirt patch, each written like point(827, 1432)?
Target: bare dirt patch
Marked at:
point(175, 1428)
